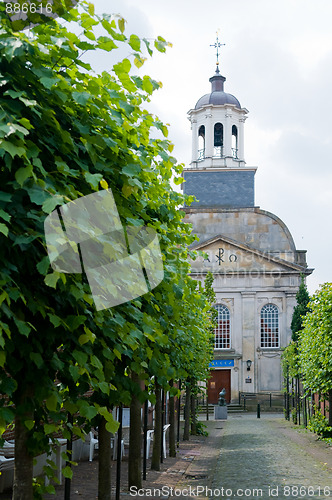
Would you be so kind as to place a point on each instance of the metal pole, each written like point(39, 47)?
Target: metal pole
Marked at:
point(118, 457)
point(270, 400)
point(207, 402)
point(258, 410)
point(145, 437)
point(178, 423)
point(162, 427)
point(68, 464)
point(287, 394)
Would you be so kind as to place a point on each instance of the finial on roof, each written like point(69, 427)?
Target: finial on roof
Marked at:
point(217, 46)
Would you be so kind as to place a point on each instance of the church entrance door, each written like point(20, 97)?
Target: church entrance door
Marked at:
point(219, 379)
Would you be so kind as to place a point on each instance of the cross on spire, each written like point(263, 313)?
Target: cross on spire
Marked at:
point(217, 46)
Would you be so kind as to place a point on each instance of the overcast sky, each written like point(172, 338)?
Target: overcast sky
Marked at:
point(278, 63)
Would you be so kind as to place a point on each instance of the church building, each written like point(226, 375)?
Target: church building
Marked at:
point(250, 251)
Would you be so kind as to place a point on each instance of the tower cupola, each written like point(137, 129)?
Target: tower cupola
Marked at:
point(218, 175)
point(217, 128)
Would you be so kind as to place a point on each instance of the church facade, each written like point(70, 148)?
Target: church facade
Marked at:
point(251, 253)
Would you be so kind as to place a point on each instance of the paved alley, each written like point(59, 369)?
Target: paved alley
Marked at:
point(267, 458)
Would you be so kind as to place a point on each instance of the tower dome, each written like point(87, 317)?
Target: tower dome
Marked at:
point(217, 96)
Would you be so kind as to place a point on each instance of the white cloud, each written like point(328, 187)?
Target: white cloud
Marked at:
point(278, 63)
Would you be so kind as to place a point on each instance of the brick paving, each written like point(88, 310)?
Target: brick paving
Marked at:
point(267, 454)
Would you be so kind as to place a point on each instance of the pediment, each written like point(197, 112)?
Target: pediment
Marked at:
point(224, 255)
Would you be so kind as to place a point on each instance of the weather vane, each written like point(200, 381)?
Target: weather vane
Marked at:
point(217, 46)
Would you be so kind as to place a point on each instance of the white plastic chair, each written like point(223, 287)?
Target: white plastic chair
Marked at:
point(114, 445)
point(93, 445)
point(165, 428)
point(149, 438)
point(59, 445)
point(8, 449)
point(6, 464)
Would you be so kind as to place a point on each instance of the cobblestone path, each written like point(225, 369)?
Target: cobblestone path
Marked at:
point(263, 458)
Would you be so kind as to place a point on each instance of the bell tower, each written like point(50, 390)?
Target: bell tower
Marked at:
point(218, 175)
point(217, 124)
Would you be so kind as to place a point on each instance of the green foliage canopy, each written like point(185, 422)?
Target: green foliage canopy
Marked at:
point(66, 132)
point(315, 342)
point(300, 310)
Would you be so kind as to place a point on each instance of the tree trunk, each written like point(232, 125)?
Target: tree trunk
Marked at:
point(193, 414)
point(23, 472)
point(104, 468)
point(135, 441)
point(172, 452)
point(187, 414)
point(330, 408)
point(156, 450)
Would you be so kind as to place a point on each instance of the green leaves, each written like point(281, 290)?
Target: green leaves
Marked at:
point(52, 202)
point(81, 97)
point(135, 43)
point(161, 44)
point(315, 342)
point(23, 174)
point(11, 148)
point(23, 327)
point(13, 47)
point(64, 133)
point(4, 229)
point(52, 279)
point(93, 179)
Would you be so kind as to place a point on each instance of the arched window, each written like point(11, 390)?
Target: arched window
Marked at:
point(269, 326)
point(218, 134)
point(201, 142)
point(234, 141)
point(218, 140)
point(223, 330)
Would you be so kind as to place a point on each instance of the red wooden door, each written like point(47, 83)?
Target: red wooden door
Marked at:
point(219, 380)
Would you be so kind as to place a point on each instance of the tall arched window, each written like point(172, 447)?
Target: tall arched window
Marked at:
point(218, 139)
point(201, 142)
point(269, 326)
point(234, 141)
point(223, 330)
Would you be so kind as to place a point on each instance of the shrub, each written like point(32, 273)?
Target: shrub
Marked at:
point(319, 425)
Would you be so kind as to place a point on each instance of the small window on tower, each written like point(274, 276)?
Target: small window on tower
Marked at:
point(218, 135)
point(234, 142)
point(218, 140)
point(201, 142)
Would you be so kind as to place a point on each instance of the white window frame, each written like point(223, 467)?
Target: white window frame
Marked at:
point(269, 327)
point(222, 334)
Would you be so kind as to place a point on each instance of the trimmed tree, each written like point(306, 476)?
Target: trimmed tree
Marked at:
point(315, 345)
point(66, 133)
point(300, 310)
